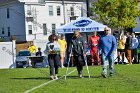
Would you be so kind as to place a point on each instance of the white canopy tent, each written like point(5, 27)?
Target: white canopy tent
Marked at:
point(83, 24)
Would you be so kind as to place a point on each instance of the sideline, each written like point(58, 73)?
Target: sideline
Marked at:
point(27, 91)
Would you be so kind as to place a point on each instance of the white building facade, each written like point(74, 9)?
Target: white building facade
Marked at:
point(28, 20)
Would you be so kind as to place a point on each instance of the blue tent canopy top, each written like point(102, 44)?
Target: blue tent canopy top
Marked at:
point(83, 24)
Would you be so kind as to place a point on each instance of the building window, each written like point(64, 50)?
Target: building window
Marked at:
point(61, 24)
point(72, 11)
point(45, 29)
point(2, 30)
point(72, 18)
point(53, 28)
point(28, 9)
point(8, 13)
point(58, 11)
point(50, 10)
point(8, 31)
point(30, 29)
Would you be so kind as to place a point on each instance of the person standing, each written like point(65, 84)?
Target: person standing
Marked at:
point(32, 49)
point(63, 47)
point(138, 50)
point(78, 48)
point(128, 46)
point(120, 48)
point(135, 44)
point(39, 53)
point(93, 41)
point(53, 49)
point(39, 58)
point(107, 45)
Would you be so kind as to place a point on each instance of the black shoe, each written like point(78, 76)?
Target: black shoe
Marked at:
point(104, 76)
point(111, 75)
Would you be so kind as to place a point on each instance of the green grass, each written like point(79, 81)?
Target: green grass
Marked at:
point(126, 79)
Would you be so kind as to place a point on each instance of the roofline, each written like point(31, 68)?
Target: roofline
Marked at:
point(7, 2)
point(67, 0)
point(3, 2)
point(74, 0)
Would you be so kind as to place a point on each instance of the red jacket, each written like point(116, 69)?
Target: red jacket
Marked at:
point(93, 40)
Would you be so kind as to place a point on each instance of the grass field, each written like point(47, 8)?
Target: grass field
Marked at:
point(126, 79)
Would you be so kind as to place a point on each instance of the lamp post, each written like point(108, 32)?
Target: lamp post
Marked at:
point(88, 14)
point(88, 8)
point(63, 3)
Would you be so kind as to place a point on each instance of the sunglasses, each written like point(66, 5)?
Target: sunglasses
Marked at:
point(106, 30)
point(54, 39)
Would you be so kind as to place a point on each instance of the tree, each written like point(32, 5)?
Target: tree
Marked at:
point(118, 14)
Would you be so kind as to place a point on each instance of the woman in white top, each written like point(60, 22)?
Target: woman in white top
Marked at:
point(53, 49)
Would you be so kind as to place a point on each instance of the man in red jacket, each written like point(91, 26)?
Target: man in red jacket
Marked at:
point(93, 40)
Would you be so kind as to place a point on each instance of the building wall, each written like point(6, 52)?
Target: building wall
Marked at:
point(29, 0)
point(19, 20)
point(41, 15)
point(15, 22)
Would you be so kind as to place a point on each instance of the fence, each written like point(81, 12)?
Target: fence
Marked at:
point(7, 54)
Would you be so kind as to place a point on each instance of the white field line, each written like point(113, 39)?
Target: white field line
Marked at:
point(27, 91)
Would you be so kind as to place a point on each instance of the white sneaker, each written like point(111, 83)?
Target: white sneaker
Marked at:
point(52, 77)
point(80, 75)
point(62, 67)
point(56, 77)
point(72, 65)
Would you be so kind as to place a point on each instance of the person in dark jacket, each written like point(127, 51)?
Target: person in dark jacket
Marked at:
point(39, 53)
point(128, 46)
point(78, 48)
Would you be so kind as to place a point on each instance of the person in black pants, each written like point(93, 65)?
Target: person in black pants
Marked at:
point(134, 48)
point(53, 50)
point(78, 46)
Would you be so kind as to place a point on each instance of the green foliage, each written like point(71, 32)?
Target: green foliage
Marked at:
point(120, 14)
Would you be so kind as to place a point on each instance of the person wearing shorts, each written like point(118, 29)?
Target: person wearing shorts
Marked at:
point(120, 49)
point(63, 46)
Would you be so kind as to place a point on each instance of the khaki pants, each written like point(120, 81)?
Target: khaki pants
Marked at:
point(128, 55)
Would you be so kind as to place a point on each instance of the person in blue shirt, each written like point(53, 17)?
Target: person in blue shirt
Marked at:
point(134, 47)
point(107, 44)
